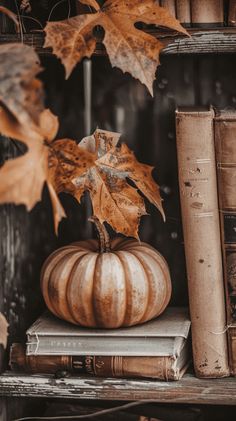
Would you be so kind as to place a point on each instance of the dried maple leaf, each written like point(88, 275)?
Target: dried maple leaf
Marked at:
point(23, 117)
point(22, 178)
point(122, 160)
point(21, 94)
point(88, 166)
point(128, 48)
point(3, 330)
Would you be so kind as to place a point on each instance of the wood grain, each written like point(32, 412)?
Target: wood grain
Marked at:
point(220, 40)
point(188, 390)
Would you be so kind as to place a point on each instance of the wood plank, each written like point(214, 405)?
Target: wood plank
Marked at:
point(188, 390)
point(221, 40)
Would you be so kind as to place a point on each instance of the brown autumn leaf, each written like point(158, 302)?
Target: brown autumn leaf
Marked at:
point(23, 178)
point(123, 160)
point(88, 167)
point(3, 331)
point(130, 49)
point(21, 94)
point(23, 117)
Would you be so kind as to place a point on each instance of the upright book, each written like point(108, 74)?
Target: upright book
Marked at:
point(207, 12)
point(159, 348)
point(232, 13)
point(225, 145)
point(201, 228)
point(183, 12)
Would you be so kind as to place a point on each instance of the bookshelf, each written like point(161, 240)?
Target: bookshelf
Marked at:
point(202, 41)
point(190, 390)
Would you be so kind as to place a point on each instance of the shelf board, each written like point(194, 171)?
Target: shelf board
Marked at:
point(188, 390)
point(202, 41)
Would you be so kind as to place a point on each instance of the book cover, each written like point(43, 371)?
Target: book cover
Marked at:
point(162, 367)
point(201, 229)
point(207, 13)
point(163, 336)
point(225, 133)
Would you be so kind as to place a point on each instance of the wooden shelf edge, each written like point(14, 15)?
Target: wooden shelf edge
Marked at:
point(188, 390)
point(202, 41)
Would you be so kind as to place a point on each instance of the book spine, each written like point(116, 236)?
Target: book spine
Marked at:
point(232, 13)
point(225, 132)
point(162, 368)
point(207, 13)
point(170, 5)
point(201, 228)
point(183, 12)
point(232, 350)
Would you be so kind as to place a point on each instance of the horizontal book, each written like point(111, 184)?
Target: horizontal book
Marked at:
point(162, 368)
point(164, 336)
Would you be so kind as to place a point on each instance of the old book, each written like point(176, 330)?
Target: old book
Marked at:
point(170, 5)
point(207, 13)
point(183, 12)
point(232, 13)
point(225, 134)
point(201, 228)
point(170, 367)
point(159, 337)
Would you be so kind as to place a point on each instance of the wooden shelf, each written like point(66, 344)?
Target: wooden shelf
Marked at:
point(202, 41)
point(189, 390)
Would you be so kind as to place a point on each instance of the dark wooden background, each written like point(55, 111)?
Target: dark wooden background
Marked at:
point(147, 124)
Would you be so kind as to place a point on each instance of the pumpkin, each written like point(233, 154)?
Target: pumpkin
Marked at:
point(126, 282)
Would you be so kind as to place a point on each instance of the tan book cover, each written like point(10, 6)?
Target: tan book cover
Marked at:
point(201, 228)
point(163, 367)
point(232, 13)
point(170, 5)
point(207, 13)
point(183, 12)
point(225, 135)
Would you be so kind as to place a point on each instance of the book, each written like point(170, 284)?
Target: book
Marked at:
point(207, 13)
point(232, 13)
point(225, 133)
point(170, 367)
point(159, 337)
point(183, 12)
point(201, 229)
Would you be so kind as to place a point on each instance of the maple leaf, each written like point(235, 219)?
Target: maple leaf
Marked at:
point(89, 167)
point(128, 48)
point(22, 178)
point(23, 117)
point(21, 94)
point(3, 330)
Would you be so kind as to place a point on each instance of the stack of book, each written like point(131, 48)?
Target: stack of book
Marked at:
point(206, 147)
point(157, 349)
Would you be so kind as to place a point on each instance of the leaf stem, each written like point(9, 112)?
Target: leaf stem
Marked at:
point(104, 239)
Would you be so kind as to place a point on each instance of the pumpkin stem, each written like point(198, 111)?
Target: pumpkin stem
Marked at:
point(104, 239)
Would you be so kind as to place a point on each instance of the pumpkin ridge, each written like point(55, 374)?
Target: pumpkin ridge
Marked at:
point(47, 296)
point(68, 256)
point(95, 316)
point(126, 283)
point(144, 264)
point(70, 276)
point(159, 258)
point(124, 261)
point(78, 283)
